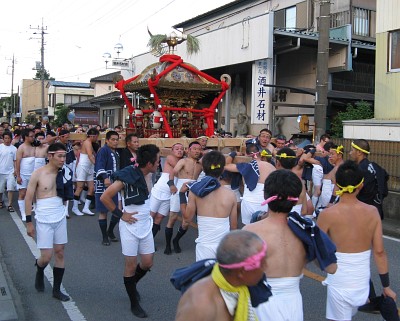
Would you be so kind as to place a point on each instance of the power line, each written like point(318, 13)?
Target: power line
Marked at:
point(145, 19)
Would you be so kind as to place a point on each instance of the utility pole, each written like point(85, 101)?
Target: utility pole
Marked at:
point(12, 98)
point(321, 95)
point(42, 33)
point(12, 90)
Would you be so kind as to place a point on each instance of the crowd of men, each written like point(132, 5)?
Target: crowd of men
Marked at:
point(277, 183)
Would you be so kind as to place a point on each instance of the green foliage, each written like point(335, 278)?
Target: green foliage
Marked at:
point(30, 119)
point(61, 115)
point(157, 44)
point(38, 75)
point(192, 45)
point(361, 110)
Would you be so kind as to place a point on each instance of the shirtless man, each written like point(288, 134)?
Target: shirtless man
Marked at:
point(85, 173)
point(321, 167)
point(186, 170)
point(51, 224)
point(355, 228)
point(216, 209)
point(160, 193)
point(40, 151)
point(210, 298)
point(286, 159)
point(336, 159)
point(254, 175)
point(286, 255)
point(24, 167)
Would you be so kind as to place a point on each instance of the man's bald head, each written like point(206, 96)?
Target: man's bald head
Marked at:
point(237, 246)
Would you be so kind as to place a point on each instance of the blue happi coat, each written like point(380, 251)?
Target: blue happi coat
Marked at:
point(107, 162)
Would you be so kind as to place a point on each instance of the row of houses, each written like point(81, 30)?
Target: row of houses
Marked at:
point(269, 50)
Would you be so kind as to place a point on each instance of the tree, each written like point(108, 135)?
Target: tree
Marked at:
point(38, 75)
point(61, 115)
point(361, 110)
point(30, 119)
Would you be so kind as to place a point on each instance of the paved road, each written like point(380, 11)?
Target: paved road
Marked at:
point(93, 277)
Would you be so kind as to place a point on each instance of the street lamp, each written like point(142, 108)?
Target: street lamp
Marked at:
point(118, 48)
point(118, 62)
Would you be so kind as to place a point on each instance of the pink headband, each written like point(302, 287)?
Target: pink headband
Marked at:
point(254, 154)
point(276, 197)
point(251, 263)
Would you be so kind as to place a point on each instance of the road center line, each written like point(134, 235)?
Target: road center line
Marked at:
point(391, 238)
point(72, 310)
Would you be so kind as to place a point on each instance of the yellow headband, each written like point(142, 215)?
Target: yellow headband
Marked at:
point(284, 155)
point(215, 166)
point(359, 148)
point(348, 189)
point(338, 150)
point(264, 153)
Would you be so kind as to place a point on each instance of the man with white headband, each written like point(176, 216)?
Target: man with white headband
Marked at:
point(52, 185)
point(224, 294)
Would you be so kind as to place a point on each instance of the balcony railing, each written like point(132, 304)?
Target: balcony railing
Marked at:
point(361, 21)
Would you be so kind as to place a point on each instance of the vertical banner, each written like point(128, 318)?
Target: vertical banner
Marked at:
point(261, 95)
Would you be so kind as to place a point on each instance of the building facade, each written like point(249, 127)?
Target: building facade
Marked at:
point(31, 97)
point(269, 50)
point(386, 124)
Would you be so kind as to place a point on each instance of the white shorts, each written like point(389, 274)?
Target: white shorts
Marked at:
point(25, 182)
point(48, 234)
point(84, 173)
point(132, 245)
point(175, 203)
point(9, 181)
point(317, 175)
point(159, 206)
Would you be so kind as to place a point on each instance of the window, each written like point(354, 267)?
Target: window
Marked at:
point(290, 18)
point(394, 50)
point(73, 99)
point(361, 22)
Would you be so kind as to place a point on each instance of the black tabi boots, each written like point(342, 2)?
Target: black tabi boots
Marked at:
point(175, 241)
point(39, 279)
point(156, 228)
point(58, 274)
point(139, 273)
point(110, 232)
point(103, 229)
point(130, 286)
point(169, 231)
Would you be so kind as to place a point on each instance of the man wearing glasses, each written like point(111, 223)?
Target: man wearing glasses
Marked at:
point(24, 167)
point(263, 141)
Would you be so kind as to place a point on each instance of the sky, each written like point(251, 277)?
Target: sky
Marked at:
point(79, 32)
